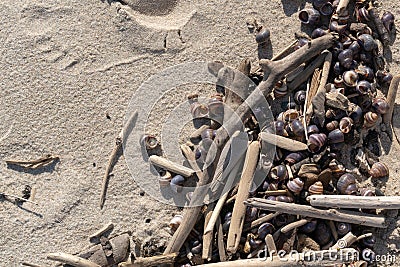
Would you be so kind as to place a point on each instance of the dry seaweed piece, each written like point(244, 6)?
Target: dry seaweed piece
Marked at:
point(34, 164)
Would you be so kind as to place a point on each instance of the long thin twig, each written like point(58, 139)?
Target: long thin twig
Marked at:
point(71, 260)
point(34, 164)
point(113, 157)
point(391, 98)
point(18, 198)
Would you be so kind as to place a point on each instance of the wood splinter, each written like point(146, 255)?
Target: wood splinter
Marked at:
point(102, 231)
point(34, 164)
point(119, 141)
point(355, 202)
point(151, 261)
point(71, 260)
point(171, 166)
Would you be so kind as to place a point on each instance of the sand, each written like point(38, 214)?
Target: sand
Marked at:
point(68, 72)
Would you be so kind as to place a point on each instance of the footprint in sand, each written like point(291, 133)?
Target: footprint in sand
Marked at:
point(166, 15)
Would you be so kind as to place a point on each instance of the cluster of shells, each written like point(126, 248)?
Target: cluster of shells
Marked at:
point(358, 74)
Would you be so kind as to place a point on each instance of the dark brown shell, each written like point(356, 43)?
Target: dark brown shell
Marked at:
point(380, 105)
point(294, 158)
point(345, 125)
point(336, 136)
point(379, 170)
point(346, 184)
point(316, 189)
point(279, 172)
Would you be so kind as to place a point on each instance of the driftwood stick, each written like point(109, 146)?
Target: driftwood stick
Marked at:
point(283, 142)
point(330, 214)
point(190, 157)
point(380, 28)
point(34, 164)
point(239, 209)
point(309, 259)
point(345, 241)
point(18, 198)
point(355, 202)
point(274, 193)
point(221, 202)
point(391, 98)
point(273, 71)
point(24, 263)
point(71, 260)
point(171, 166)
point(284, 51)
point(208, 236)
point(151, 261)
point(195, 136)
point(308, 71)
point(220, 241)
point(101, 231)
point(259, 221)
point(270, 243)
point(289, 227)
point(119, 141)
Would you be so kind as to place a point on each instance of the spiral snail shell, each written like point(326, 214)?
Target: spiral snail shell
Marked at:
point(388, 20)
point(300, 97)
point(383, 77)
point(336, 136)
point(175, 222)
point(343, 228)
point(330, 126)
point(290, 114)
point(177, 183)
point(370, 119)
point(295, 185)
point(312, 129)
point(337, 168)
point(309, 16)
point(150, 142)
point(363, 15)
point(263, 36)
point(309, 227)
point(165, 179)
point(350, 78)
point(294, 157)
point(346, 184)
point(279, 172)
point(367, 192)
point(363, 87)
point(316, 142)
point(380, 105)
point(280, 89)
point(296, 128)
point(367, 42)
point(316, 188)
point(265, 229)
point(379, 170)
point(345, 125)
point(323, 234)
point(286, 199)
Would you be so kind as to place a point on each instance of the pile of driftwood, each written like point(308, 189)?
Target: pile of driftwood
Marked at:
point(331, 87)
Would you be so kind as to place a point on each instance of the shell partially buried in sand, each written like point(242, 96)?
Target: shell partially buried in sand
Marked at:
point(160, 14)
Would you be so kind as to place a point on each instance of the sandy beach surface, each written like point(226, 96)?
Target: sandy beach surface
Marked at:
point(69, 69)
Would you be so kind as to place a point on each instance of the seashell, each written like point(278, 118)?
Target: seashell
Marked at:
point(197, 247)
point(379, 170)
point(384, 78)
point(300, 97)
point(294, 157)
point(355, 47)
point(177, 183)
point(265, 229)
point(367, 42)
point(356, 113)
point(366, 192)
point(368, 255)
point(338, 82)
point(365, 58)
point(301, 42)
point(286, 199)
point(343, 228)
point(316, 189)
point(270, 186)
point(346, 58)
point(312, 129)
point(296, 128)
point(326, 9)
point(309, 16)
point(208, 134)
point(369, 241)
point(337, 68)
point(316, 142)
point(150, 142)
point(216, 108)
point(362, 14)
point(380, 105)
point(346, 184)
point(175, 222)
point(336, 136)
point(330, 126)
point(350, 78)
point(251, 214)
point(272, 198)
point(279, 172)
point(281, 220)
point(198, 110)
point(280, 89)
point(365, 73)
point(263, 36)
point(322, 234)
point(363, 87)
point(309, 227)
point(317, 4)
point(291, 114)
point(336, 27)
point(388, 20)
point(295, 185)
point(337, 168)
point(370, 119)
point(345, 125)
point(280, 128)
point(318, 32)
point(254, 243)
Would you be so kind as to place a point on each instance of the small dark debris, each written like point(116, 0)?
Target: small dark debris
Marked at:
point(147, 220)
